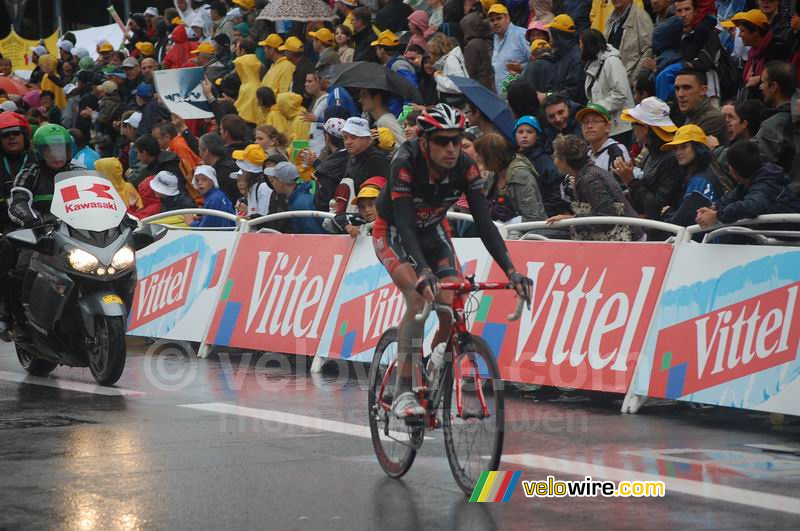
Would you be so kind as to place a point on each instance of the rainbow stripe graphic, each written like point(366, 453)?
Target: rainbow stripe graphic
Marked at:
point(495, 486)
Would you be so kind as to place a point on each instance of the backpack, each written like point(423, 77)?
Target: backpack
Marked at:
point(729, 75)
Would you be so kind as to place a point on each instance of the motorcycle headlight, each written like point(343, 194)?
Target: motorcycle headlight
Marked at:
point(82, 261)
point(123, 259)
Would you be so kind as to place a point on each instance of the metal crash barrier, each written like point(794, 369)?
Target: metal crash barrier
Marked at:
point(643, 321)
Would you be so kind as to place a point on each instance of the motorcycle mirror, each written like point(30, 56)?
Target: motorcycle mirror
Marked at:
point(24, 239)
point(147, 235)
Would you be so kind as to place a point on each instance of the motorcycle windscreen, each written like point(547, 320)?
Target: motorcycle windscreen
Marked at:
point(86, 200)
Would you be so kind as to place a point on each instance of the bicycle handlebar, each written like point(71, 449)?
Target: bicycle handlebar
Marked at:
point(422, 316)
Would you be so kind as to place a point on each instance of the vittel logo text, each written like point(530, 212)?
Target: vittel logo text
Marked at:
point(163, 291)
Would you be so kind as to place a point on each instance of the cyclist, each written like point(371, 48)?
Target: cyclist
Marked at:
point(412, 237)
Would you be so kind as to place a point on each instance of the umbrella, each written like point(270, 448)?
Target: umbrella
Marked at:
point(12, 86)
point(495, 109)
point(300, 10)
point(369, 75)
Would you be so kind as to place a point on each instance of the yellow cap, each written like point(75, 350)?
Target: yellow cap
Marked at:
point(146, 48)
point(323, 35)
point(247, 4)
point(754, 16)
point(488, 3)
point(386, 141)
point(498, 9)
point(563, 23)
point(176, 20)
point(293, 45)
point(366, 192)
point(254, 154)
point(273, 41)
point(205, 47)
point(539, 43)
point(218, 81)
point(105, 47)
point(687, 133)
point(386, 38)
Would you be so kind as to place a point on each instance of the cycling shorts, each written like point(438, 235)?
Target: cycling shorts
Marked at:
point(436, 246)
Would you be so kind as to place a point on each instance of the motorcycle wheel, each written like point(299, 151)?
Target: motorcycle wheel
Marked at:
point(107, 358)
point(33, 365)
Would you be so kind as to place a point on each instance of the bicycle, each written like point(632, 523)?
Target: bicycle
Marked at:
point(467, 386)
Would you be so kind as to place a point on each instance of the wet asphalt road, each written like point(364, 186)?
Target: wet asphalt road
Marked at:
point(71, 458)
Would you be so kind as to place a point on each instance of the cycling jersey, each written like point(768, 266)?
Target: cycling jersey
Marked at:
point(416, 199)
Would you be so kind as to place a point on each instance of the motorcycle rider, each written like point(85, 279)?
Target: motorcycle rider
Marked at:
point(15, 141)
point(32, 196)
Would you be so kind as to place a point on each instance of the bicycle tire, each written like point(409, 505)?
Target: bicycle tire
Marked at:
point(464, 473)
point(394, 457)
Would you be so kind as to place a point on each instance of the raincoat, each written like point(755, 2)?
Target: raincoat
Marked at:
point(151, 205)
point(181, 51)
point(279, 76)
point(111, 168)
point(248, 68)
point(290, 105)
point(53, 83)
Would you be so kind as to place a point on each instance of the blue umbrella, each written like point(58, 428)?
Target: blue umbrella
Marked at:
point(496, 110)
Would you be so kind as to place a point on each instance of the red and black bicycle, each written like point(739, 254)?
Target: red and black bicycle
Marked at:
point(463, 396)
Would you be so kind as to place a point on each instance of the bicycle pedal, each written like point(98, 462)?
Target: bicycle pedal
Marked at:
point(415, 421)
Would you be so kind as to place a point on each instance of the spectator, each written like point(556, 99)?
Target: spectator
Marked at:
point(180, 52)
point(568, 76)
point(775, 137)
point(393, 16)
point(291, 107)
point(779, 23)
point(152, 112)
point(270, 111)
point(84, 156)
point(303, 65)
point(49, 109)
point(630, 30)
point(436, 14)
point(374, 102)
point(691, 92)
point(409, 123)
point(152, 161)
point(477, 50)
point(285, 180)
point(668, 58)
point(353, 224)
point(596, 127)
point(529, 138)
point(151, 205)
point(560, 115)
point(133, 74)
point(148, 66)
point(600, 12)
point(271, 140)
point(387, 49)
point(166, 134)
point(250, 177)
point(363, 35)
point(280, 74)
point(323, 47)
point(606, 83)
point(418, 25)
point(742, 120)
point(700, 45)
point(541, 68)
point(315, 88)
point(111, 169)
point(520, 99)
point(699, 177)
point(754, 30)
point(205, 181)
point(479, 120)
point(448, 60)
point(213, 153)
point(657, 181)
point(365, 159)
point(109, 111)
point(593, 191)
point(165, 185)
point(329, 171)
point(343, 38)
point(762, 188)
point(511, 50)
point(234, 133)
point(512, 187)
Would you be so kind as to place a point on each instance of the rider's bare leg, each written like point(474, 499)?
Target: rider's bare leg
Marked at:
point(409, 331)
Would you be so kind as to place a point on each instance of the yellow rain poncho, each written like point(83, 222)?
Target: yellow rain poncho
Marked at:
point(111, 169)
point(291, 107)
point(49, 63)
point(248, 68)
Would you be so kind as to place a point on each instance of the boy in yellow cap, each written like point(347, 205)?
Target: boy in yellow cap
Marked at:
point(279, 75)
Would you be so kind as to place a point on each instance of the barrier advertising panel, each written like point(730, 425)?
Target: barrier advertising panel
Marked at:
point(178, 284)
point(726, 331)
point(368, 302)
point(592, 305)
point(279, 292)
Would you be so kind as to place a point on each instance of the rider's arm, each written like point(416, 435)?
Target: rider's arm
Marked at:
point(20, 208)
point(405, 216)
point(487, 230)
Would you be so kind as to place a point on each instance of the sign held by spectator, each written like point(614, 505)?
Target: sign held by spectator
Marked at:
point(181, 92)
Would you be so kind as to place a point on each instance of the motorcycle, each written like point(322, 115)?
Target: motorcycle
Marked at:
point(79, 284)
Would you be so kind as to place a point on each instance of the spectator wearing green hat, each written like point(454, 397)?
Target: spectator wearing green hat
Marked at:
point(596, 128)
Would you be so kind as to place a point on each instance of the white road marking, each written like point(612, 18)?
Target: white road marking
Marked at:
point(282, 417)
point(760, 500)
point(68, 385)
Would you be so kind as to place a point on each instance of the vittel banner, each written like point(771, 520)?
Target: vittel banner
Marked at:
point(592, 305)
point(279, 292)
point(726, 331)
point(178, 284)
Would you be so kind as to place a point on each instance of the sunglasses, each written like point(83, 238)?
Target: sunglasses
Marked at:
point(443, 141)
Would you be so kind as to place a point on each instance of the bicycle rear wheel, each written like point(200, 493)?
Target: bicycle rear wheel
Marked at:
point(395, 442)
point(474, 438)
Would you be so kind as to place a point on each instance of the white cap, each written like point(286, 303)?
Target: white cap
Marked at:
point(334, 127)
point(65, 45)
point(9, 106)
point(235, 174)
point(68, 88)
point(130, 62)
point(651, 111)
point(80, 53)
point(40, 50)
point(165, 183)
point(207, 171)
point(134, 120)
point(356, 127)
point(151, 11)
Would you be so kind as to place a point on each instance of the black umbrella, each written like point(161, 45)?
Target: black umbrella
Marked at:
point(496, 110)
point(368, 75)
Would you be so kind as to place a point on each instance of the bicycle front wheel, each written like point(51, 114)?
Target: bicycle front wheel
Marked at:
point(395, 443)
point(473, 433)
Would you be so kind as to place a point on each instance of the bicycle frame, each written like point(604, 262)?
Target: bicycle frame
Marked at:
point(457, 335)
